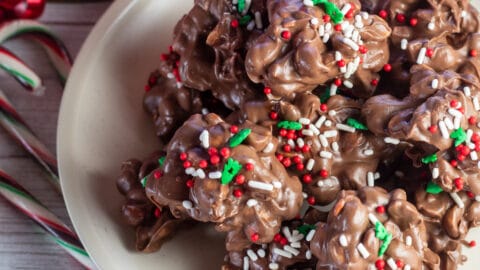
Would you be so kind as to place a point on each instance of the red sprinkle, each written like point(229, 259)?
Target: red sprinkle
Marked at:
point(383, 13)
point(400, 18)
point(380, 209)
point(472, 243)
point(202, 164)
point(454, 103)
point(240, 179)
point(374, 82)
point(473, 52)
point(287, 148)
point(323, 107)
point(311, 200)
point(187, 164)
point(307, 178)
point(234, 129)
point(237, 193)
point(429, 52)
point(214, 159)
point(454, 163)
point(291, 134)
point(433, 128)
point(183, 156)
point(387, 67)
point(362, 49)
point(273, 115)
point(413, 21)
point(465, 150)
point(249, 167)
point(164, 57)
point(286, 162)
point(283, 241)
point(225, 152)
point(337, 82)
point(157, 212)
point(470, 194)
point(472, 120)
point(349, 14)
point(323, 173)
point(190, 183)
point(461, 157)
point(461, 109)
point(157, 174)
point(277, 238)
point(305, 148)
point(234, 23)
point(337, 27)
point(267, 90)
point(296, 159)
point(341, 63)
point(286, 35)
point(279, 157)
point(399, 263)
point(380, 264)
point(212, 151)
point(300, 166)
point(147, 88)
point(458, 183)
point(475, 137)
point(326, 18)
point(254, 237)
point(283, 132)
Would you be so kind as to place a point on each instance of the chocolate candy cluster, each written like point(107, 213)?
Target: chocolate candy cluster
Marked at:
point(316, 134)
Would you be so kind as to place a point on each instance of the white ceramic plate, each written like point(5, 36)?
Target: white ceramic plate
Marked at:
point(102, 123)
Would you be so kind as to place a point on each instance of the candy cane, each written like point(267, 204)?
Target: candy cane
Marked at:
point(20, 71)
point(19, 197)
point(16, 127)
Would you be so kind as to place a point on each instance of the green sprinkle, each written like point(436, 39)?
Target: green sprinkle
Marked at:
point(429, 159)
point(245, 19)
point(306, 228)
point(161, 161)
point(325, 96)
point(356, 124)
point(230, 170)
point(433, 188)
point(331, 9)
point(382, 234)
point(289, 125)
point(238, 138)
point(385, 244)
point(241, 5)
point(144, 181)
point(459, 136)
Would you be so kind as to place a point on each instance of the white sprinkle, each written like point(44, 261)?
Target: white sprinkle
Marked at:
point(365, 15)
point(179, 85)
point(261, 253)
point(260, 185)
point(234, 2)
point(187, 204)
point(468, 139)
point(370, 179)
point(282, 253)
point(338, 56)
point(359, 24)
point(343, 69)
point(435, 83)
point(346, 8)
point(310, 164)
point(467, 90)
point(304, 195)
point(314, 21)
point(286, 231)
point(478, 164)
point(308, 255)
point(246, 263)
point(455, 113)
point(268, 148)
point(373, 219)
point(325, 38)
point(376, 175)
point(435, 173)
point(392, 264)
point(333, 89)
point(292, 250)
point(404, 44)
point(350, 71)
point(215, 175)
point(448, 122)
point(321, 30)
point(407, 267)
point(296, 237)
point(258, 20)
point(205, 111)
point(300, 142)
point(314, 129)
point(399, 174)
point(348, 84)
point(346, 128)
point(170, 75)
point(323, 140)
point(457, 121)
point(328, 27)
point(276, 184)
point(350, 43)
point(320, 121)
point(200, 173)
point(310, 235)
point(251, 254)
point(355, 35)
point(443, 129)
point(308, 3)
point(363, 251)
point(307, 132)
point(471, 146)
point(205, 138)
point(189, 171)
point(328, 123)
point(326, 154)
point(304, 121)
point(247, 6)
point(252, 202)
point(330, 133)
point(477, 198)
point(457, 200)
point(343, 240)
point(421, 55)
point(250, 25)
point(473, 155)
point(320, 183)
point(274, 266)
point(408, 240)
point(291, 142)
point(476, 105)
point(368, 152)
point(391, 140)
point(335, 146)
point(431, 26)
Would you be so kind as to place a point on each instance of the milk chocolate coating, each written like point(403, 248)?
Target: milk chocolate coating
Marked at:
point(256, 212)
point(300, 63)
point(153, 226)
point(349, 218)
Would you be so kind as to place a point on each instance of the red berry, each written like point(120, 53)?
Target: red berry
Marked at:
point(305, 148)
point(472, 243)
point(380, 209)
point(296, 159)
point(453, 103)
point(383, 13)
point(399, 263)
point(323, 173)
point(273, 115)
point(311, 200)
point(212, 151)
point(337, 82)
point(190, 183)
point(458, 183)
point(472, 120)
point(323, 107)
point(157, 174)
point(286, 35)
point(240, 179)
point(362, 49)
point(454, 163)
point(279, 157)
point(157, 212)
point(307, 178)
point(233, 129)
point(234, 23)
point(473, 52)
point(215, 159)
point(380, 264)
point(225, 152)
point(300, 166)
point(267, 90)
point(429, 52)
point(413, 21)
point(187, 164)
point(400, 18)
point(283, 132)
point(237, 193)
point(287, 148)
point(387, 67)
point(374, 82)
point(341, 63)
point(277, 237)
point(326, 18)
point(286, 162)
point(249, 167)
point(202, 164)
point(254, 237)
point(433, 128)
point(337, 27)
point(183, 156)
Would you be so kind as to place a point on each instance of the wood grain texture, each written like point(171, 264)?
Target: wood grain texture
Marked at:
point(22, 244)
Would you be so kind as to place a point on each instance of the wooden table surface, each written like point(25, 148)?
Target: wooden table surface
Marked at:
point(22, 244)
